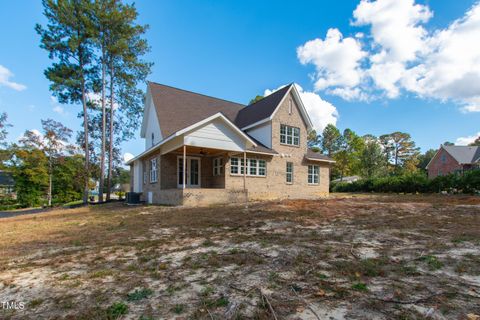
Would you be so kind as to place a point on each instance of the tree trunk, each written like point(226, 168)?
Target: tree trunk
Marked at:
point(110, 152)
point(50, 182)
point(102, 155)
point(85, 129)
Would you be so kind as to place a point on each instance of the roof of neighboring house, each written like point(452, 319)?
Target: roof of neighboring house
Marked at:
point(261, 109)
point(348, 179)
point(312, 155)
point(464, 154)
point(177, 108)
point(6, 179)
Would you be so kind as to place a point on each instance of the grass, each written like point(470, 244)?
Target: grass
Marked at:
point(202, 263)
point(138, 295)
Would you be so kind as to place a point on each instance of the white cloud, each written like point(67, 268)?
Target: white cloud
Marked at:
point(321, 112)
point(464, 141)
point(395, 27)
point(399, 54)
point(127, 156)
point(5, 76)
point(336, 59)
point(57, 107)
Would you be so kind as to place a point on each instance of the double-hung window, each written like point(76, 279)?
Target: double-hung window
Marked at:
point(217, 166)
point(153, 170)
point(289, 135)
point(313, 174)
point(289, 173)
point(255, 167)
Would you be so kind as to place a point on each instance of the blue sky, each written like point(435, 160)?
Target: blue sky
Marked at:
point(238, 49)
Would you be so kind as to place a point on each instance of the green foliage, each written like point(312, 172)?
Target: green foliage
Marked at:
point(331, 140)
point(469, 182)
point(116, 310)
point(359, 286)
point(432, 262)
point(68, 179)
point(31, 176)
point(138, 295)
point(257, 98)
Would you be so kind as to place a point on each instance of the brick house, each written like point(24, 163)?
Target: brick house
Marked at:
point(202, 150)
point(453, 159)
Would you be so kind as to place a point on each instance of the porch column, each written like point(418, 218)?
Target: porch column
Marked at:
point(184, 165)
point(244, 170)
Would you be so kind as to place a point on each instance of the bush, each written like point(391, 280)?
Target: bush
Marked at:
point(469, 182)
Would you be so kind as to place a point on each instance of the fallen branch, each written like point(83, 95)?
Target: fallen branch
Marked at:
point(353, 253)
point(265, 300)
point(308, 306)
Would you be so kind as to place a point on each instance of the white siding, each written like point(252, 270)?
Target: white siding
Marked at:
point(217, 135)
point(263, 133)
point(137, 176)
point(151, 125)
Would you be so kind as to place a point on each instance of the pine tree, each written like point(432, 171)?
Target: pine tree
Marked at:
point(68, 37)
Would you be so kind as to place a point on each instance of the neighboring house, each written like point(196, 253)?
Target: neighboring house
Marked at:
point(204, 150)
point(453, 159)
point(7, 185)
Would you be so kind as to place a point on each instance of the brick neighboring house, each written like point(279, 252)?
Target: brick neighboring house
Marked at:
point(201, 150)
point(453, 159)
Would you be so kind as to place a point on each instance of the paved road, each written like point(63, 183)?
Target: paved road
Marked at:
point(7, 214)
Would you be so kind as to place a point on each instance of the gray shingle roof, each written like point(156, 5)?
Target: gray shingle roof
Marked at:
point(318, 156)
point(464, 154)
point(261, 109)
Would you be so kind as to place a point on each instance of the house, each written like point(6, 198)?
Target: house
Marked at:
point(201, 150)
point(453, 159)
point(7, 185)
point(349, 179)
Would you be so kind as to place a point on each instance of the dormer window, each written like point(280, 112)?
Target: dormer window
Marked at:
point(153, 137)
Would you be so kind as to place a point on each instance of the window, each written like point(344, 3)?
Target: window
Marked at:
point(153, 138)
point(255, 167)
point(153, 170)
point(313, 174)
point(444, 158)
point(217, 166)
point(289, 173)
point(289, 135)
point(290, 106)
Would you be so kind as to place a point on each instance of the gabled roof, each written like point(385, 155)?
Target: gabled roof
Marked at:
point(464, 154)
point(185, 130)
point(178, 109)
point(261, 109)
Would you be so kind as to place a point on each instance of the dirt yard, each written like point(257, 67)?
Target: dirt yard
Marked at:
point(362, 257)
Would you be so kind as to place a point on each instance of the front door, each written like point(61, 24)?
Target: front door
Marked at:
point(192, 167)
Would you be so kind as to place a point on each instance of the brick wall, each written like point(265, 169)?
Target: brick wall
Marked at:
point(443, 163)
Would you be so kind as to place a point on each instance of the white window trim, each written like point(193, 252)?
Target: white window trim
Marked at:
point(287, 173)
point(153, 170)
point(240, 167)
point(292, 135)
point(218, 166)
point(188, 182)
point(313, 174)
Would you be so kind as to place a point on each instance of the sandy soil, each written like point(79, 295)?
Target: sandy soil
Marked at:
point(347, 257)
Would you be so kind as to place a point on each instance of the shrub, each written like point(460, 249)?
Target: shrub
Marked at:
point(469, 182)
